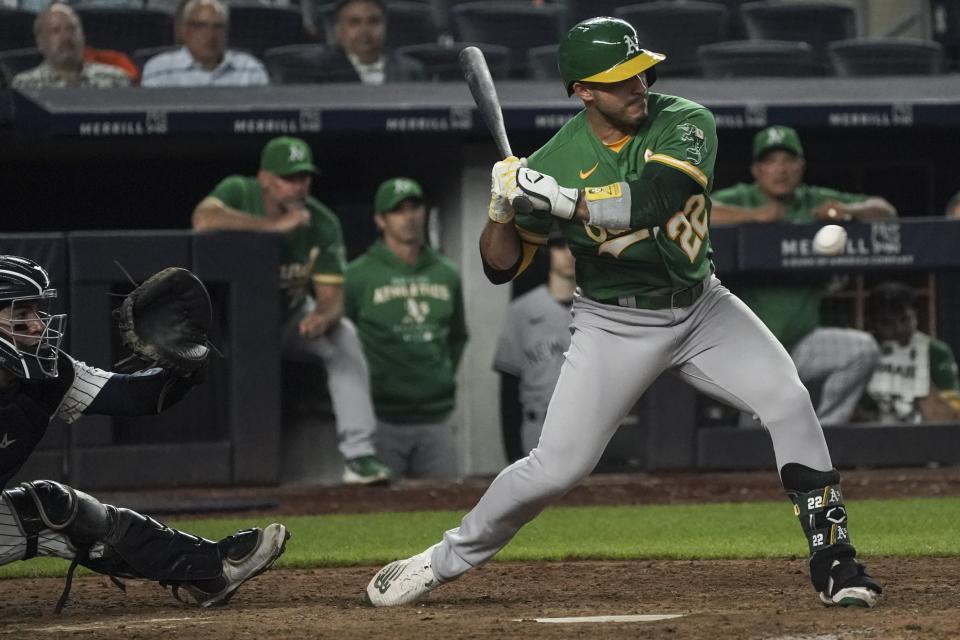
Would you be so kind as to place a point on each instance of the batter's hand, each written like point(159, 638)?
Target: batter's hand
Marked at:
point(503, 188)
point(546, 195)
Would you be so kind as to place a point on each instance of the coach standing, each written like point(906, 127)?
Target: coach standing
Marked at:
point(407, 302)
point(312, 260)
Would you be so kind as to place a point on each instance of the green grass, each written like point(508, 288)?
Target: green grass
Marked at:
point(911, 527)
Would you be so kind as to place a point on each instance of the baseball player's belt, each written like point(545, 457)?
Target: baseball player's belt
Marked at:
point(679, 298)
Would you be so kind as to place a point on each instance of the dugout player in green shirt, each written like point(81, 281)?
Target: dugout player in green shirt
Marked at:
point(312, 260)
point(627, 180)
point(407, 303)
point(839, 360)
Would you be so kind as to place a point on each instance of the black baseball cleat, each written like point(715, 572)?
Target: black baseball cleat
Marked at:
point(246, 554)
point(849, 585)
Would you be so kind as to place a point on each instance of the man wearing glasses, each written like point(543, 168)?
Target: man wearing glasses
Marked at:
point(204, 59)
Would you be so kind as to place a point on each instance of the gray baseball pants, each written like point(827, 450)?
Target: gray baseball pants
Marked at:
point(424, 450)
point(717, 344)
point(348, 379)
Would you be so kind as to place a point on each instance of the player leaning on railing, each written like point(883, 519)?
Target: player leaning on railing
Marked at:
point(628, 182)
point(38, 382)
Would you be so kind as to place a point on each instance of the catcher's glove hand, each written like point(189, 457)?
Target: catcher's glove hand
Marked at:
point(164, 323)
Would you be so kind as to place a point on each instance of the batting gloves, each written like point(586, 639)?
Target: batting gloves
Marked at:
point(503, 188)
point(545, 194)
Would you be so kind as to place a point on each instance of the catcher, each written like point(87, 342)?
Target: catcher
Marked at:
point(164, 322)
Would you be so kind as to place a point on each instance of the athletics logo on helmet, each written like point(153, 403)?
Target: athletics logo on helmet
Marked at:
point(604, 50)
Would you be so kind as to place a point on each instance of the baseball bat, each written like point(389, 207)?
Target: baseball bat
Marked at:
point(477, 75)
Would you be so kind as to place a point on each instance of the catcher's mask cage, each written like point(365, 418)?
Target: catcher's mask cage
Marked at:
point(30, 334)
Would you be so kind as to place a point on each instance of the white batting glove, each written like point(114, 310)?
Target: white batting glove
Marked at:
point(503, 188)
point(545, 194)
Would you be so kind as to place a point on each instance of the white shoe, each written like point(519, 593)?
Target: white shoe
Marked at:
point(403, 582)
point(246, 554)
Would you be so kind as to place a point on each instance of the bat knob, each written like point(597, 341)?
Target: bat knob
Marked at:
point(522, 204)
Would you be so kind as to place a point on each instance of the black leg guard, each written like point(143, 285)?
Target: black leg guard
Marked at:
point(141, 547)
point(818, 502)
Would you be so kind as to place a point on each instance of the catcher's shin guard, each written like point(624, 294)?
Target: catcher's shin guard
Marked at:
point(818, 502)
point(140, 547)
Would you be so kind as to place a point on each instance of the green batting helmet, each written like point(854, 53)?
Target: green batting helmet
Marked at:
point(604, 50)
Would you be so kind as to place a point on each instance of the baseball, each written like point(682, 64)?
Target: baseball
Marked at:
point(830, 240)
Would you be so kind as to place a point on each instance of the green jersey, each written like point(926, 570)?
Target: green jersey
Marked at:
point(790, 312)
point(411, 324)
point(677, 133)
point(310, 254)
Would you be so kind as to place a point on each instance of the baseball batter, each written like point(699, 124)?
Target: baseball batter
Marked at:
point(636, 169)
point(45, 518)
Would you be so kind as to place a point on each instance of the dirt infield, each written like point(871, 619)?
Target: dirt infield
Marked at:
point(716, 599)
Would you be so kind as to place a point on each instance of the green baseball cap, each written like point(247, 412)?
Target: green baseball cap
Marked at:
point(286, 156)
point(394, 191)
point(776, 137)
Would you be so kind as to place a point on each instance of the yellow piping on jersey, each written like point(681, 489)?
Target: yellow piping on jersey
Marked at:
point(328, 278)
point(698, 176)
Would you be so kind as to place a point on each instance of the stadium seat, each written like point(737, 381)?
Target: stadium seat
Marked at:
point(886, 57)
point(757, 58)
point(441, 64)
point(294, 64)
point(579, 10)
point(257, 28)
point(125, 29)
point(15, 61)
point(817, 23)
point(676, 29)
point(543, 62)
point(16, 29)
point(410, 23)
point(516, 25)
point(140, 56)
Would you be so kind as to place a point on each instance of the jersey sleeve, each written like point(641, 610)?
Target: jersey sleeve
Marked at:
point(331, 260)
point(87, 384)
point(824, 194)
point(688, 144)
point(735, 195)
point(230, 192)
point(506, 358)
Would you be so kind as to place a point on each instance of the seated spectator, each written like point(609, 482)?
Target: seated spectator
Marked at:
point(916, 378)
point(204, 60)
point(358, 55)
point(277, 200)
point(60, 38)
point(837, 360)
point(407, 302)
point(535, 335)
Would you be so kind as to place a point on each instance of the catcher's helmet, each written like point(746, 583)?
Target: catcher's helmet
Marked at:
point(604, 50)
point(29, 335)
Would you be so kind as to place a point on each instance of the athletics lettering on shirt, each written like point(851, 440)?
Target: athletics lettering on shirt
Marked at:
point(435, 290)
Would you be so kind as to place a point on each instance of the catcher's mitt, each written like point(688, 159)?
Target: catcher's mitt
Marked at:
point(164, 323)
